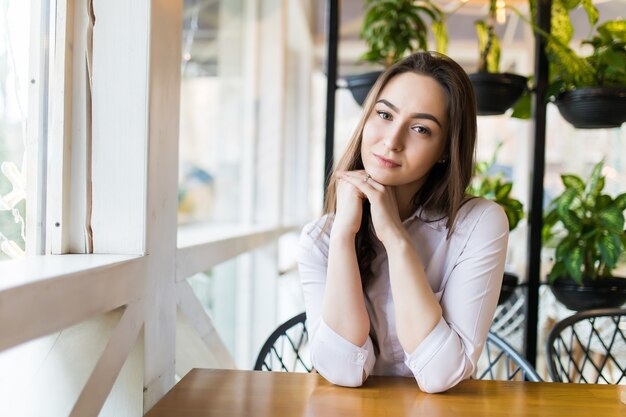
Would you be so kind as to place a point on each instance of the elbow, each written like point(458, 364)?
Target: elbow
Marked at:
point(343, 381)
point(437, 382)
point(435, 387)
point(333, 372)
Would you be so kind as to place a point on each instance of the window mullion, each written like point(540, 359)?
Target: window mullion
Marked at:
point(37, 128)
point(59, 142)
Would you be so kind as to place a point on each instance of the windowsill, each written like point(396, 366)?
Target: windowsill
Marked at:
point(200, 234)
point(38, 268)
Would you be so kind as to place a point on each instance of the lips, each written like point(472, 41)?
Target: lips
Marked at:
point(387, 163)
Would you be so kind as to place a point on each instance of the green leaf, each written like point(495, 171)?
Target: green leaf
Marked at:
point(596, 183)
point(441, 36)
point(615, 59)
point(564, 202)
point(570, 254)
point(612, 219)
point(503, 190)
point(481, 167)
point(569, 4)
point(514, 211)
point(592, 12)
point(574, 262)
point(610, 248)
point(620, 202)
point(561, 26)
point(555, 88)
point(571, 221)
point(616, 28)
point(523, 107)
point(558, 271)
point(574, 182)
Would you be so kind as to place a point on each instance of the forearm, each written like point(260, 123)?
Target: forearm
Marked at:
point(417, 310)
point(344, 305)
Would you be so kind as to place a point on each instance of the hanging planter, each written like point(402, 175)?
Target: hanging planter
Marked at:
point(593, 107)
point(361, 84)
point(497, 92)
point(592, 294)
point(590, 90)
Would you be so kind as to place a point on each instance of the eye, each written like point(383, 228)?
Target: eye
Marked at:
point(421, 130)
point(384, 115)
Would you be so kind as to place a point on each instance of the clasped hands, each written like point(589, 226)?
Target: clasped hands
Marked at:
point(355, 186)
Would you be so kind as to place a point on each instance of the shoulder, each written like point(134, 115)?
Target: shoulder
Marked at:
point(478, 212)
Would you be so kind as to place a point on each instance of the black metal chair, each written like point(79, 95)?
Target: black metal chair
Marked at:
point(589, 347)
point(500, 361)
point(286, 349)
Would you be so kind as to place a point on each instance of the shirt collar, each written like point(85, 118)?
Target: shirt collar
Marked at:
point(430, 218)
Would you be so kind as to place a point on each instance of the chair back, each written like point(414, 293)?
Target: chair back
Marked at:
point(589, 347)
point(286, 349)
point(500, 361)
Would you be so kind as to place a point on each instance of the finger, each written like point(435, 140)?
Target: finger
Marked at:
point(368, 188)
point(365, 178)
point(351, 188)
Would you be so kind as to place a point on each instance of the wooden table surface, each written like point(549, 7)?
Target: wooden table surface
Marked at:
point(225, 393)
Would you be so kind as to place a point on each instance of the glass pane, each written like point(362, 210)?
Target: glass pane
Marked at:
point(14, 55)
point(216, 290)
point(211, 127)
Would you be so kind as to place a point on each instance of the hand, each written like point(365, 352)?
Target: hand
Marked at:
point(384, 207)
point(349, 209)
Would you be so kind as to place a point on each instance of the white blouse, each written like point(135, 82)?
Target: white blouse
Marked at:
point(465, 274)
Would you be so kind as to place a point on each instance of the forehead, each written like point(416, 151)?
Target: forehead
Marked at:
point(413, 92)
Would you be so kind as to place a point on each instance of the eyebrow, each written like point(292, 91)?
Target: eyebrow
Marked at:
point(413, 115)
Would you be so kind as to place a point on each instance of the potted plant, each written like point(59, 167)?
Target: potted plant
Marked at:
point(495, 91)
point(494, 187)
point(587, 228)
point(392, 29)
point(589, 91)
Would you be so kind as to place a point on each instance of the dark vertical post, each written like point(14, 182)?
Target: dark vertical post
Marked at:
point(536, 193)
point(332, 40)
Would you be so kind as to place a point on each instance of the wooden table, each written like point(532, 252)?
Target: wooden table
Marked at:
point(225, 393)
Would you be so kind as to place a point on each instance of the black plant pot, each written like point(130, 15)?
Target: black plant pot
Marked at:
point(601, 293)
point(496, 93)
point(593, 107)
point(509, 283)
point(361, 84)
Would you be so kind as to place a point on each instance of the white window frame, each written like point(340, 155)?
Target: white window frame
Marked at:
point(136, 261)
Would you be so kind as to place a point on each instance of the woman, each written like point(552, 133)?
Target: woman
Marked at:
point(401, 276)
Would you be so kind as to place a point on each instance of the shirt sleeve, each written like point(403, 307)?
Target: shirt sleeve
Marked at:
point(335, 358)
point(450, 352)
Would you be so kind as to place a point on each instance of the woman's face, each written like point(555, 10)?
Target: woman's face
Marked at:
point(405, 134)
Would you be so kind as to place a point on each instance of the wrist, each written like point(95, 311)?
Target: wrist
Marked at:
point(399, 239)
point(340, 235)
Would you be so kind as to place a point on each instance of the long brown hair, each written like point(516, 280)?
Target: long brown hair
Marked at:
point(444, 189)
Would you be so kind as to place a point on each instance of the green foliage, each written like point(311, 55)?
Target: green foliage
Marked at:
point(495, 188)
point(393, 28)
point(587, 227)
point(488, 42)
point(606, 66)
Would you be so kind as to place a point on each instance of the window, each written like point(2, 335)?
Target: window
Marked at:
point(14, 89)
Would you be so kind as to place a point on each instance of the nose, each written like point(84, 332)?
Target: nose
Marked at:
point(394, 139)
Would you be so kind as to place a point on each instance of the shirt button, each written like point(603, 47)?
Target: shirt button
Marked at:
point(360, 356)
point(412, 365)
